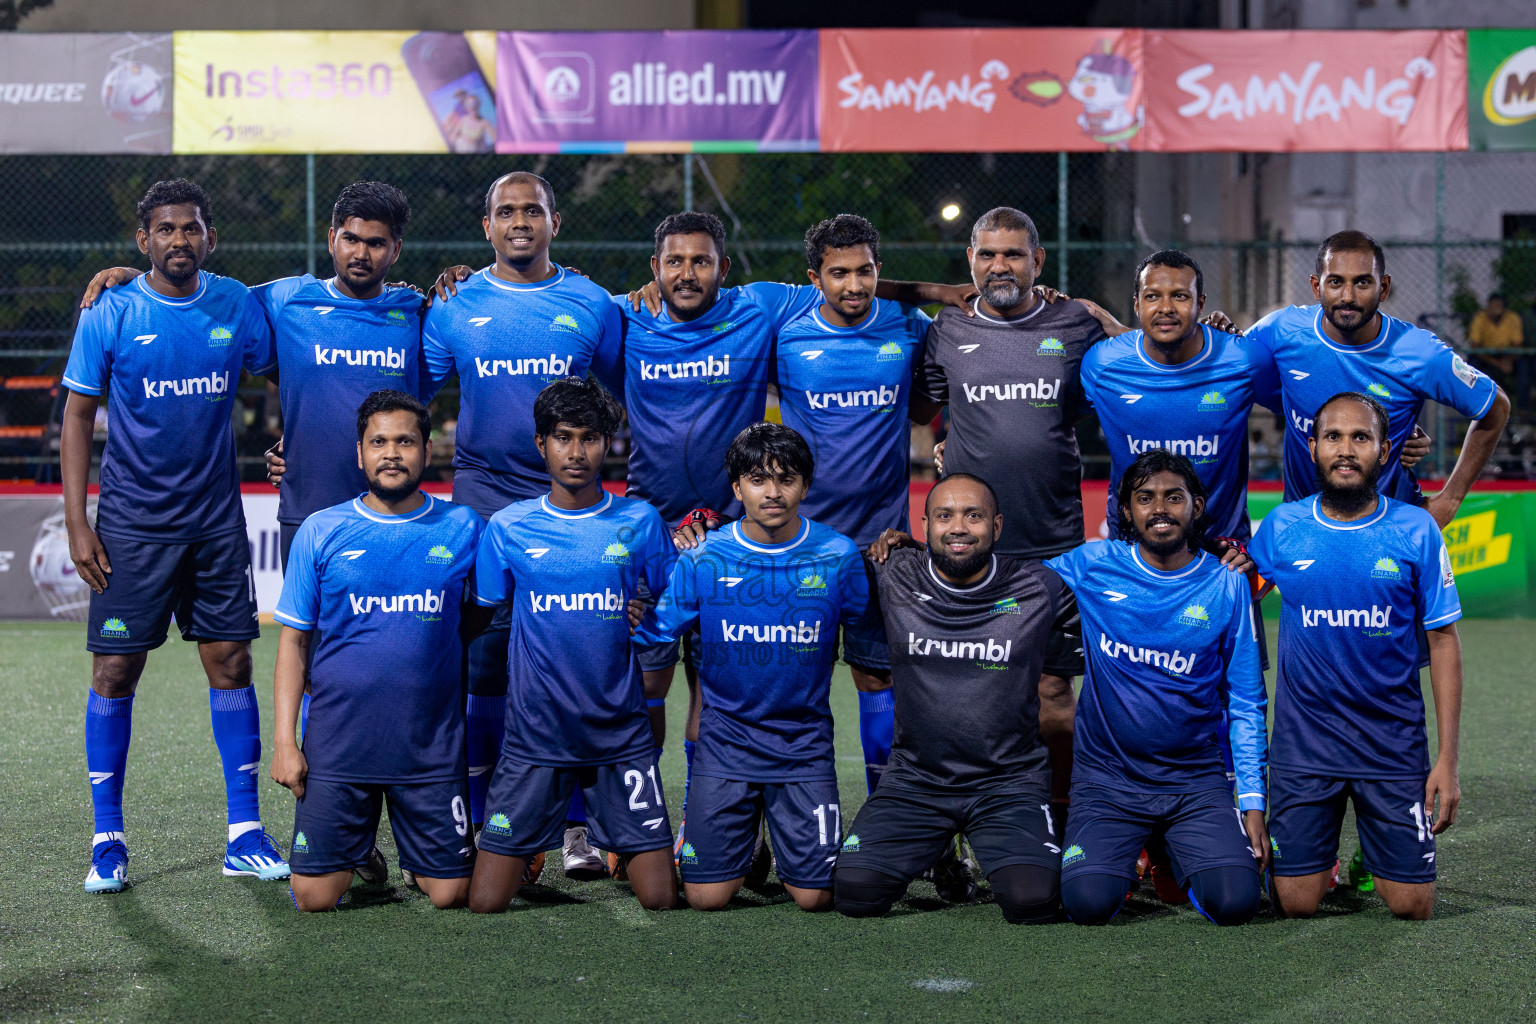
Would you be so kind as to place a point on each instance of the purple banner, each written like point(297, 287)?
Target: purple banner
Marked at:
point(658, 91)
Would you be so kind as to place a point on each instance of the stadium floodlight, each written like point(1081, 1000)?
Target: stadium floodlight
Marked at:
point(950, 211)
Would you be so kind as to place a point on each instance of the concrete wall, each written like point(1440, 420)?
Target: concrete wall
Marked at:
point(459, 15)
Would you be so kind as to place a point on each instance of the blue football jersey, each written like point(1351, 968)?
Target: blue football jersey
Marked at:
point(691, 386)
point(1347, 698)
point(333, 351)
point(574, 695)
point(768, 617)
point(382, 595)
point(1198, 408)
point(846, 389)
point(1163, 649)
point(1400, 369)
point(169, 368)
point(506, 342)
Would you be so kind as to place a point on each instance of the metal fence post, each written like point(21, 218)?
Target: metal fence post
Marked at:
point(687, 181)
point(309, 213)
point(1061, 221)
point(1441, 425)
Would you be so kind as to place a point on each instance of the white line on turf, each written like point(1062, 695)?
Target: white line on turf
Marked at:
point(944, 985)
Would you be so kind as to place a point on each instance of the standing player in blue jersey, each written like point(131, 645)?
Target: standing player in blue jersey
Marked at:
point(844, 371)
point(568, 564)
point(1358, 572)
point(1345, 343)
point(375, 587)
point(1145, 759)
point(767, 594)
point(170, 534)
point(514, 327)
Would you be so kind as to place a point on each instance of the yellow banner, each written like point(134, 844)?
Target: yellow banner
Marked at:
point(334, 92)
point(1472, 544)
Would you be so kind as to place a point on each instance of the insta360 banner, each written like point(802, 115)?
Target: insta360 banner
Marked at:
point(335, 92)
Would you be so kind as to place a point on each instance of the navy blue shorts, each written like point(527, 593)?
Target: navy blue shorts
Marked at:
point(804, 819)
point(1307, 811)
point(334, 826)
point(206, 584)
point(900, 832)
point(285, 534)
point(526, 807)
point(864, 646)
point(1108, 828)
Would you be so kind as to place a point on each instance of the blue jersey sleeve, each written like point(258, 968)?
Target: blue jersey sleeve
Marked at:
point(437, 363)
point(1450, 380)
point(855, 588)
point(1262, 548)
point(260, 348)
point(90, 357)
point(1072, 567)
point(1092, 365)
point(299, 605)
point(782, 302)
point(1264, 375)
point(678, 606)
point(608, 357)
point(1247, 702)
point(493, 576)
point(660, 552)
point(1438, 603)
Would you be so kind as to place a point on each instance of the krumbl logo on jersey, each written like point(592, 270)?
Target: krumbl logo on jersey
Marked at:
point(214, 387)
point(1197, 448)
point(1041, 393)
point(391, 361)
point(987, 654)
point(717, 369)
point(549, 369)
point(1375, 621)
point(426, 605)
point(605, 600)
point(883, 398)
point(1174, 662)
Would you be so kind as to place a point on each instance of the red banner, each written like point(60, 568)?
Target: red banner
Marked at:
point(1306, 91)
point(969, 90)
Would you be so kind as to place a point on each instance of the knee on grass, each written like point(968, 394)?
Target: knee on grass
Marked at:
point(1027, 893)
point(859, 892)
point(1225, 896)
point(1093, 899)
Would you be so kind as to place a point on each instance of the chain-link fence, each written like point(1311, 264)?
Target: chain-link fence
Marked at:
point(70, 216)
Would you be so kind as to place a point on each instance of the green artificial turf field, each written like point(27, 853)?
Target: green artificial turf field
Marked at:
point(184, 943)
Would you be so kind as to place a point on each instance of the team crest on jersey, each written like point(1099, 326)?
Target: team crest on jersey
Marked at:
point(440, 555)
point(688, 855)
point(1379, 390)
point(396, 317)
point(1274, 847)
point(1072, 854)
point(1196, 615)
point(889, 351)
point(115, 629)
point(1007, 606)
point(851, 844)
point(1051, 347)
point(219, 337)
point(811, 585)
point(722, 327)
point(616, 553)
point(1464, 373)
point(499, 825)
point(301, 843)
point(564, 322)
point(1213, 401)
point(1386, 569)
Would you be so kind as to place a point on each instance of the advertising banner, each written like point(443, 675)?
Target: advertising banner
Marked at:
point(981, 90)
point(656, 91)
point(103, 92)
point(335, 92)
point(1306, 91)
point(1501, 89)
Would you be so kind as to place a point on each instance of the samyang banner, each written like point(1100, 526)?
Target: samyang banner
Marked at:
point(1262, 92)
point(656, 91)
point(1501, 89)
point(335, 92)
point(981, 90)
point(80, 92)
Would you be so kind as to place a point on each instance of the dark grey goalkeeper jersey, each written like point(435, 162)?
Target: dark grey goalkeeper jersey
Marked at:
point(965, 667)
point(1015, 395)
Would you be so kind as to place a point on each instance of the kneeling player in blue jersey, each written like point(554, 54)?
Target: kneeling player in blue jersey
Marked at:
point(1358, 573)
point(1146, 759)
point(768, 592)
point(970, 629)
point(569, 563)
point(375, 584)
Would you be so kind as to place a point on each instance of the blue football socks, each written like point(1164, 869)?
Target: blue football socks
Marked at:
point(108, 726)
point(487, 720)
point(877, 730)
point(237, 732)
